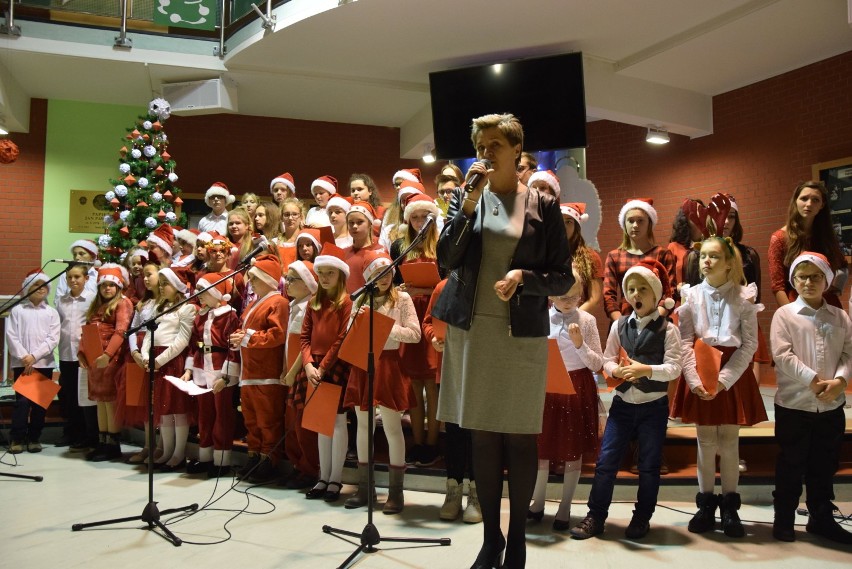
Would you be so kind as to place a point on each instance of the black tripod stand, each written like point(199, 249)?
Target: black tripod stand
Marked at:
point(151, 514)
point(370, 536)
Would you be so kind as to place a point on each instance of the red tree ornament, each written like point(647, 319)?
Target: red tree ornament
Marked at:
point(168, 195)
point(9, 151)
point(162, 215)
point(156, 126)
point(123, 151)
point(166, 156)
point(129, 180)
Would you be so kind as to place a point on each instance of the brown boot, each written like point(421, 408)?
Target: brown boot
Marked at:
point(359, 498)
point(395, 501)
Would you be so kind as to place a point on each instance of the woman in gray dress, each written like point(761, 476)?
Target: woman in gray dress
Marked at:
point(506, 250)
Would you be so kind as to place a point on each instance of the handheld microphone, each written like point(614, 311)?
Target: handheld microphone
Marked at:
point(430, 220)
point(262, 246)
point(86, 263)
point(476, 178)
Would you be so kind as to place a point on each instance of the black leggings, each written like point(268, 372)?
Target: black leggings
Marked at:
point(458, 453)
point(519, 455)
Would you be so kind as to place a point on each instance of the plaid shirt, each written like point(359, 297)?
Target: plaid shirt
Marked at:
point(618, 262)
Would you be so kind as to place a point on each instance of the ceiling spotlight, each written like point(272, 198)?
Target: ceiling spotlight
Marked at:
point(657, 135)
point(429, 154)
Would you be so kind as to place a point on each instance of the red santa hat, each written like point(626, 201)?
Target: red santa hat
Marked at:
point(818, 259)
point(332, 256)
point(86, 244)
point(305, 270)
point(549, 178)
point(575, 210)
point(327, 183)
point(179, 277)
point(645, 204)
point(286, 178)
point(417, 202)
point(163, 238)
point(655, 274)
point(373, 263)
point(365, 209)
point(221, 291)
point(188, 236)
point(267, 268)
point(311, 234)
point(219, 189)
point(343, 202)
point(33, 277)
point(408, 189)
point(138, 252)
point(203, 237)
point(113, 273)
point(410, 174)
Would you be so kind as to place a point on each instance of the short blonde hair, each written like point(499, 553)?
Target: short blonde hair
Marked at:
point(508, 125)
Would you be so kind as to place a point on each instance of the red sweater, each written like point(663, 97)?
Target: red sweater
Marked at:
point(323, 331)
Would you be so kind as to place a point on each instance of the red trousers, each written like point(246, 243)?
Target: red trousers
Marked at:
point(263, 413)
point(216, 420)
point(301, 444)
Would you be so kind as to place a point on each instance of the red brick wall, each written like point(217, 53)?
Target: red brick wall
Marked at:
point(246, 152)
point(766, 137)
point(22, 192)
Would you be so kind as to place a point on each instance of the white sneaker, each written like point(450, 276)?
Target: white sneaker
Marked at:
point(472, 512)
point(452, 502)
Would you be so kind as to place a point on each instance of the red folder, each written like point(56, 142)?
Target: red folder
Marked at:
point(439, 329)
point(321, 408)
point(708, 362)
point(420, 275)
point(37, 388)
point(558, 378)
point(354, 348)
point(90, 343)
point(134, 385)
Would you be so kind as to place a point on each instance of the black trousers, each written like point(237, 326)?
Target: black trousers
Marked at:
point(27, 417)
point(810, 453)
point(81, 423)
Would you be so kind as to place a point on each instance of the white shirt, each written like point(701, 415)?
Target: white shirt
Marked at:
point(173, 331)
point(406, 328)
point(213, 222)
point(723, 316)
point(343, 242)
point(33, 330)
point(91, 286)
point(149, 308)
point(589, 355)
point(317, 217)
point(72, 316)
point(669, 370)
point(807, 343)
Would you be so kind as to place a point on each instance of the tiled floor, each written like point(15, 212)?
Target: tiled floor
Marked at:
point(286, 530)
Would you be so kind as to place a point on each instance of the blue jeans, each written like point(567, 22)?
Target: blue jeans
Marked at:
point(647, 423)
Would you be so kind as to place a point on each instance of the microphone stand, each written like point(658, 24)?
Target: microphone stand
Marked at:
point(4, 312)
point(151, 514)
point(370, 536)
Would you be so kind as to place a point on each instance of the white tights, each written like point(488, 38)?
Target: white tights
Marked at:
point(392, 425)
point(723, 440)
point(332, 451)
point(174, 430)
point(569, 486)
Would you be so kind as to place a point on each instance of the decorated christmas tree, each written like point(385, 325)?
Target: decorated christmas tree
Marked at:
point(144, 195)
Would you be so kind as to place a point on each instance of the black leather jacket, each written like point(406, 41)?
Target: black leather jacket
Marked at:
point(542, 253)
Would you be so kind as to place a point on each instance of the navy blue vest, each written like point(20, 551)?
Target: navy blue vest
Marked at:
point(647, 347)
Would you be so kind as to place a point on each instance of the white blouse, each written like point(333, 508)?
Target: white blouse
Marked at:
point(173, 331)
point(590, 354)
point(406, 329)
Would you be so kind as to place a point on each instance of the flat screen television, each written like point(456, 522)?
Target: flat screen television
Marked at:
point(545, 93)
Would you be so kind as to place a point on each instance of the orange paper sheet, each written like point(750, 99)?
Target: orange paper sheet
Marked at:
point(354, 348)
point(134, 384)
point(326, 235)
point(90, 343)
point(420, 275)
point(613, 382)
point(321, 408)
point(294, 347)
point(37, 388)
point(708, 362)
point(439, 329)
point(558, 378)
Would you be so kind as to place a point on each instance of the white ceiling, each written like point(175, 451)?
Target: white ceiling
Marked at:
point(367, 62)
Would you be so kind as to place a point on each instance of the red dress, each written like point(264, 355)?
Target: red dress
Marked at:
point(420, 360)
point(102, 381)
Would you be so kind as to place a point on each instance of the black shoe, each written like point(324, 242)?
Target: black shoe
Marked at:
point(222, 471)
point(64, 441)
point(589, 527)
point(413, 454)
point(704, 519)
point(490, 555)
point(97, 454)
point(729, 504)
point(248, 467)
point(783, 533)
point(166, 467)
point(316, 492)
point(637, 528)
point(198, 467)
point(561, 525)
point(535, 516)
point(821, 522)
point(264, 473)
point(332, 495)
point(428, 456)
point(79, 446)
point(300, 482)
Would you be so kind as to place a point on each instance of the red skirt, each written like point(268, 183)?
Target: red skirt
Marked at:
point(338, 374)
point(168, 399)
point(392, 389)
point(762, 355)
point(420, 360)
point(741, 405)
point(570, 423)
point(102, 381)
point(130, 415)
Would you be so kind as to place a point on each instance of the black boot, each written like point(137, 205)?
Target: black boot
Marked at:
point(248, 467)
point(728, 505)
point(785, 518)
point(821, 522)
point(95, 455)
point(704, 519)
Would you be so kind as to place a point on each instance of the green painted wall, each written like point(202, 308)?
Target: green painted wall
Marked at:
point(81, 153)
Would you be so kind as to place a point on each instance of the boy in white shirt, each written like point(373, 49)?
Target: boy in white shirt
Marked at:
point(812, 348)
point(32, 333)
